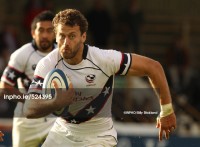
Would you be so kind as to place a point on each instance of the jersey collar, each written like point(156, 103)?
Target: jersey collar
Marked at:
point(85, 51)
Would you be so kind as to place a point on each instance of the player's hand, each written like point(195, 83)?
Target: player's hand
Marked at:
point(1, 136)
point(63, 97)
point(166, 125)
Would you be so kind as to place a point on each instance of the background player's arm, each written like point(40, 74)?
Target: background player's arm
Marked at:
point(36, 108)
point(143, 66)
point(7, 89)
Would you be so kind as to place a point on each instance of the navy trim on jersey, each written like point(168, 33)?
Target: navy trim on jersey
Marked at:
point(129, 64)
point(125, 60)
point(93, 108)
point(85, 51)
point(98, 67)
point(11, 74)
point(36, 84)
point(79, 68)
point(34, 44)
point(61, 59)
point(26, 81)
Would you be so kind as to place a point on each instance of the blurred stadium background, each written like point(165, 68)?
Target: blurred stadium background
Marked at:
point(167, 31)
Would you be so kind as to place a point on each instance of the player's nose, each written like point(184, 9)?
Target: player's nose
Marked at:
point(66, 41)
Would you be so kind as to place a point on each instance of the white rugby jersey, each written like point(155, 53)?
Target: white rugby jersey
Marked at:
point(22, 65)
point(92, 80)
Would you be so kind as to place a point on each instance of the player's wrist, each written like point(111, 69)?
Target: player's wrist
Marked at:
point(166, 109)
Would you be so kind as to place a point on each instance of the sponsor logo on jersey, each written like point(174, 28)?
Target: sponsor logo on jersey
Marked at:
point(34, 66)
point(90, 78)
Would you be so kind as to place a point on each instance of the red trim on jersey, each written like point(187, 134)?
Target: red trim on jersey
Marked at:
point(36, 76)
point(8, 79)
point(19, 71)
point(14, 69)
point(32, 89)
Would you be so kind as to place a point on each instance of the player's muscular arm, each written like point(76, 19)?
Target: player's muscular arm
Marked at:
point(36, 108)
point(8, 90)
point(143, 66)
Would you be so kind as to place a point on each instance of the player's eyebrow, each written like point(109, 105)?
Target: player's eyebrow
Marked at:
point(72, 33)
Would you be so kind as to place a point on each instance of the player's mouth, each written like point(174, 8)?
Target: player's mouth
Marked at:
point(66, 49)
point(45, 42)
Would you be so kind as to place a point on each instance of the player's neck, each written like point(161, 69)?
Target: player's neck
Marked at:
point(77, 58)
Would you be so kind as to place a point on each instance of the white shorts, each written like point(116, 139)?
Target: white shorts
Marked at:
point(60, 137)
point(30, 132)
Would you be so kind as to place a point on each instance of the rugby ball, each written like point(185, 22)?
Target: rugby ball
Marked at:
point(61, 79)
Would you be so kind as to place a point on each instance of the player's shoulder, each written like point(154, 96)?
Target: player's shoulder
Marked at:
point(52, 57)
point(101, 54)
point(23, 50)
point(47, 63)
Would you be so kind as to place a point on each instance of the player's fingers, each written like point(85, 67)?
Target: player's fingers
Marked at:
point(160, 134)
point(70, 85)
point(172, 129)
point(55, 85)
point(58, 91)
point(71, 91)
point(158, 123)
point(167, 134)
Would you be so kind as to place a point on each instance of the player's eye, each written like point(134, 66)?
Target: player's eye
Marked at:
point(40, 30)
point(62, 36)
point(72, 36)
point(50, 30)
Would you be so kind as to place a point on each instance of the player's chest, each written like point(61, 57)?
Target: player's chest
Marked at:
point(31, 64)
point(87, 78)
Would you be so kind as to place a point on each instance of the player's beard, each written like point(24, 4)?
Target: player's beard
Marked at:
point(69, 53)
point(45, 45)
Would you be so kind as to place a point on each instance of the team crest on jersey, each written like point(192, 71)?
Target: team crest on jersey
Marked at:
point(90, 78)
point(34, 66)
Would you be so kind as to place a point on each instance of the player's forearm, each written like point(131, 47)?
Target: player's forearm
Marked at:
point(39, 108)
point(8, 92)
point(158, 81)
point(144, 66)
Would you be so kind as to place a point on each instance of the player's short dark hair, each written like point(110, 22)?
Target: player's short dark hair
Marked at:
point(43, 16)
point(71, 17)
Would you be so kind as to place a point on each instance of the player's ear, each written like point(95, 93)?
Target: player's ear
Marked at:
point(33, 34)
point(84, 35)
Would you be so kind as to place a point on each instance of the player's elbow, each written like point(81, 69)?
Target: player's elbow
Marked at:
point(156, 66)
point(29, 113)
point(2, 89)
point(156, 69)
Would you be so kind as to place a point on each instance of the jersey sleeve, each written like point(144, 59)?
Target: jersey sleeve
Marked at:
point(125, 63)
point(114, 62)
point(43, 67)
point(14, 69)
